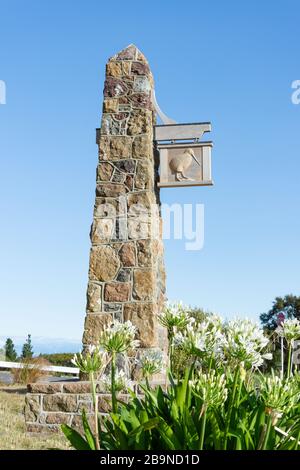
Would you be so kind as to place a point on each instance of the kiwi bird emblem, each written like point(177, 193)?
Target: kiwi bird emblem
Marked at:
point(179, 164)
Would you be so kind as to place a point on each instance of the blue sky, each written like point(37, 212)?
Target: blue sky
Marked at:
point(231, 63)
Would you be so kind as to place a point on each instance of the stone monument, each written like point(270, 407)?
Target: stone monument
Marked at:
point(126, 271)
point(126, 279)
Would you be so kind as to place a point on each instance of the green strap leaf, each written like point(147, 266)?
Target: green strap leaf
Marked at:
point(75, 439)
point(87, 431)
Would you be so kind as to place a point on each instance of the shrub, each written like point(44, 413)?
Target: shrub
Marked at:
point(31, 371)
point(59, 359)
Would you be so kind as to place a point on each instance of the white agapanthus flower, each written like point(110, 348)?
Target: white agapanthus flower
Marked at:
point(119, 337)
point(93, 360)
point(278, 394)
point(245, 342)
point(151, 362)
point(175, 316)
point(211, 389)
point(289, 329)
point(203, 339)
point(122, 382)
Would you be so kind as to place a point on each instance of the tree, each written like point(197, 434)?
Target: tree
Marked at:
point(289, 305)
point(10, 352)
point(27, 350)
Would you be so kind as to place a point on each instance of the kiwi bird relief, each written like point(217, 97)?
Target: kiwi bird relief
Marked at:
point(179, 164)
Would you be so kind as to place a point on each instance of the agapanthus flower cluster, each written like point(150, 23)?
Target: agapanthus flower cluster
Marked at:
point(94, 360)
point(289, 329)
point(278, 394)
point(119, 337)
point(174, 317)
point(201, 339)
point(122, 383)
point(245, 343)
point(211, 389)
point(151, 362)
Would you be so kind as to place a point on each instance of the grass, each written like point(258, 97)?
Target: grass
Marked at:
point(13, 435)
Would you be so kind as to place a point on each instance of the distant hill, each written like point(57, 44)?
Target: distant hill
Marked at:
point(42, 345)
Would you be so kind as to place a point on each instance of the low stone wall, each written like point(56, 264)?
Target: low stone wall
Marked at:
point(48, 405)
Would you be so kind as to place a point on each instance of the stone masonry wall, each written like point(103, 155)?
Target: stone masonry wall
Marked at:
point(48, 405)
point(126, 272)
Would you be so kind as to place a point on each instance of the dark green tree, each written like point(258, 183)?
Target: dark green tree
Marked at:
point(289, 305)
point(10, 352)
point(27, 350)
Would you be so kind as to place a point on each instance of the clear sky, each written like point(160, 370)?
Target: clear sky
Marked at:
point(231, 63)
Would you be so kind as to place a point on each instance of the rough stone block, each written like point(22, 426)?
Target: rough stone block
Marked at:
point(118, 177)
point(127, 254)
point(144, 178)
point(129, 182)
point(124, 275)
point(126, 166)
point(94, 324)
point(143, 316)
point(142, 147)
point(138, 229)
point(141, 202)
point(138, 68)
point(112, 307)
point(40, 387)
point(115, 87)
point(114, 124)
point(60, 402)
point(94, 297)
point(104, 171)
point(141, 85)
point(139, 122)
point(77, 387)
point(32, 407)
point(143, 284)
point(141, 100)
point(58, 418)
point(115, 147)
point(116, 292)
point(114, 69)
point(110, 190)
point(102, 230)
point(110, 207)
point(111, 105)
point(145, 253)
point(42, 428)
point(104, 263)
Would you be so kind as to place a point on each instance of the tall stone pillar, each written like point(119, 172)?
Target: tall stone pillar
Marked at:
point(126, 270)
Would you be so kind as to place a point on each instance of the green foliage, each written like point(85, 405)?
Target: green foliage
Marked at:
point(181, 419)
point(10, 352)
point(290, 305)
point(76, 440)
point(27, 350)
point(220, 400)
point(59, 359)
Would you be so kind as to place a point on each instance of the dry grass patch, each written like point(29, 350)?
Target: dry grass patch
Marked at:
point(13, 434)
